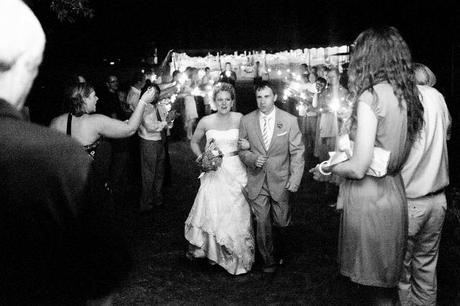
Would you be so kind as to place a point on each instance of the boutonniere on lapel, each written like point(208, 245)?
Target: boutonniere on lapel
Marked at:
point(279, 125)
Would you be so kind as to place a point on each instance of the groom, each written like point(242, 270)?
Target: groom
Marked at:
point(275, 166)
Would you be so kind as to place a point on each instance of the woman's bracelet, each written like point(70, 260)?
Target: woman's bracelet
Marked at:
point(320, 169)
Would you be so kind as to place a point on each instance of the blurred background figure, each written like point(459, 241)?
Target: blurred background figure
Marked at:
point(228, 75)
point(57, 246)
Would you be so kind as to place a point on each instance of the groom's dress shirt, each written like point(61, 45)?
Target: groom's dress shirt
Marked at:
point(270, 124)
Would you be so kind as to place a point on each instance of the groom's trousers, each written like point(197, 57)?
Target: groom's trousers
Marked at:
point(268, 213)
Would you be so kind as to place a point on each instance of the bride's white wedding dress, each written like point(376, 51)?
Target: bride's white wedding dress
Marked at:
point(219, 224)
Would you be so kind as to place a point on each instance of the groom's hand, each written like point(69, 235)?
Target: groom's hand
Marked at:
point(260, 161)
point(292, 187)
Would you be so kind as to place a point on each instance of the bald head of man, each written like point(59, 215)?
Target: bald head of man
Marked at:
point(22, 42)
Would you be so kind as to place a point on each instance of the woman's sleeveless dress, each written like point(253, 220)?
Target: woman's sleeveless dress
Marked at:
point(373, 233)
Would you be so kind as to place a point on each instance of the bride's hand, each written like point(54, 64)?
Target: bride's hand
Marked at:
point(243, 144)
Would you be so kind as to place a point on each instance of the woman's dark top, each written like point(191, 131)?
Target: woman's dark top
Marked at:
point(91, 148)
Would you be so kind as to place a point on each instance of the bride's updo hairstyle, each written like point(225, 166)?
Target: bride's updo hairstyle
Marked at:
point(223, 86)
point(76, 94)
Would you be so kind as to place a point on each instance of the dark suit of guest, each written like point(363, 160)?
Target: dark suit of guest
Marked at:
point(55, 249)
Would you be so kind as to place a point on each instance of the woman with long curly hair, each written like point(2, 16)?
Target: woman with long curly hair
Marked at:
point(387, 114)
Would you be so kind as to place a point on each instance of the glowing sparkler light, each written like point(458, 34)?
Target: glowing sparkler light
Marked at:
point(279, 72)
point(287, 92)
point(334, 104)
point(152, 77)
point(168, 107)
point(182, 79)
point(112, 63)
point(269, 70)
point(196, 91)
point(295, 86)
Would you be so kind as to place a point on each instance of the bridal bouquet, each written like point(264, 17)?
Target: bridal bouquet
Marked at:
point(211, 159)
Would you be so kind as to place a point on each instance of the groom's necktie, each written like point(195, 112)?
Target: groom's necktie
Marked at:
point(265, 133)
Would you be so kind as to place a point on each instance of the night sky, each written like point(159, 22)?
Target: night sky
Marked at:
point(128, 28)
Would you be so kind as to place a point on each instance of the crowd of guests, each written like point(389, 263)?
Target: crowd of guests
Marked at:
point(60, 246)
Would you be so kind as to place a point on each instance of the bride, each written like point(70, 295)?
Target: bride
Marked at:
point(219, 224)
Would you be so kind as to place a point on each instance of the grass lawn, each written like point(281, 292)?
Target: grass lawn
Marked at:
point(163, 276)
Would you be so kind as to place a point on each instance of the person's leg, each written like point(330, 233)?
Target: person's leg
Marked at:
point(310, 134)
point(417, 217)
point(167, 165)
point(426, 251)
point(148, 162)
point(119, 168)
point(384, 296)
point(159, 172)
point(281, 216)
point(261, 209)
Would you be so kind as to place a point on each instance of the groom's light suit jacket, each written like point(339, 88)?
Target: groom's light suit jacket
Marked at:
point(285, 154)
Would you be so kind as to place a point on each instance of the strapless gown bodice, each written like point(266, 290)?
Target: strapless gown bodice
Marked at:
point(226, 140)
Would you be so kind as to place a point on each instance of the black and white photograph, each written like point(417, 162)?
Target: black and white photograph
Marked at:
point(250, 152)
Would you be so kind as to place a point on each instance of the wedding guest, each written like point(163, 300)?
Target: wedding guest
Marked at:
point(88, 128)
point(389, 115)
point(425, 175)
point(134, 92)
point(152, 139)
point(109, 103)
point(207, 78)
point(57, 248)
point(218, 226)
point(319, 99)
point(310, 83)
point(190, 106)
point(334, 96)
point(257, 73)
point(424, 75)
point(206, 85)
point(228, 75)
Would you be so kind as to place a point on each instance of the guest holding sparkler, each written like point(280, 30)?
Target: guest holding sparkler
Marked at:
point(334, 97)
point(389, 115)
